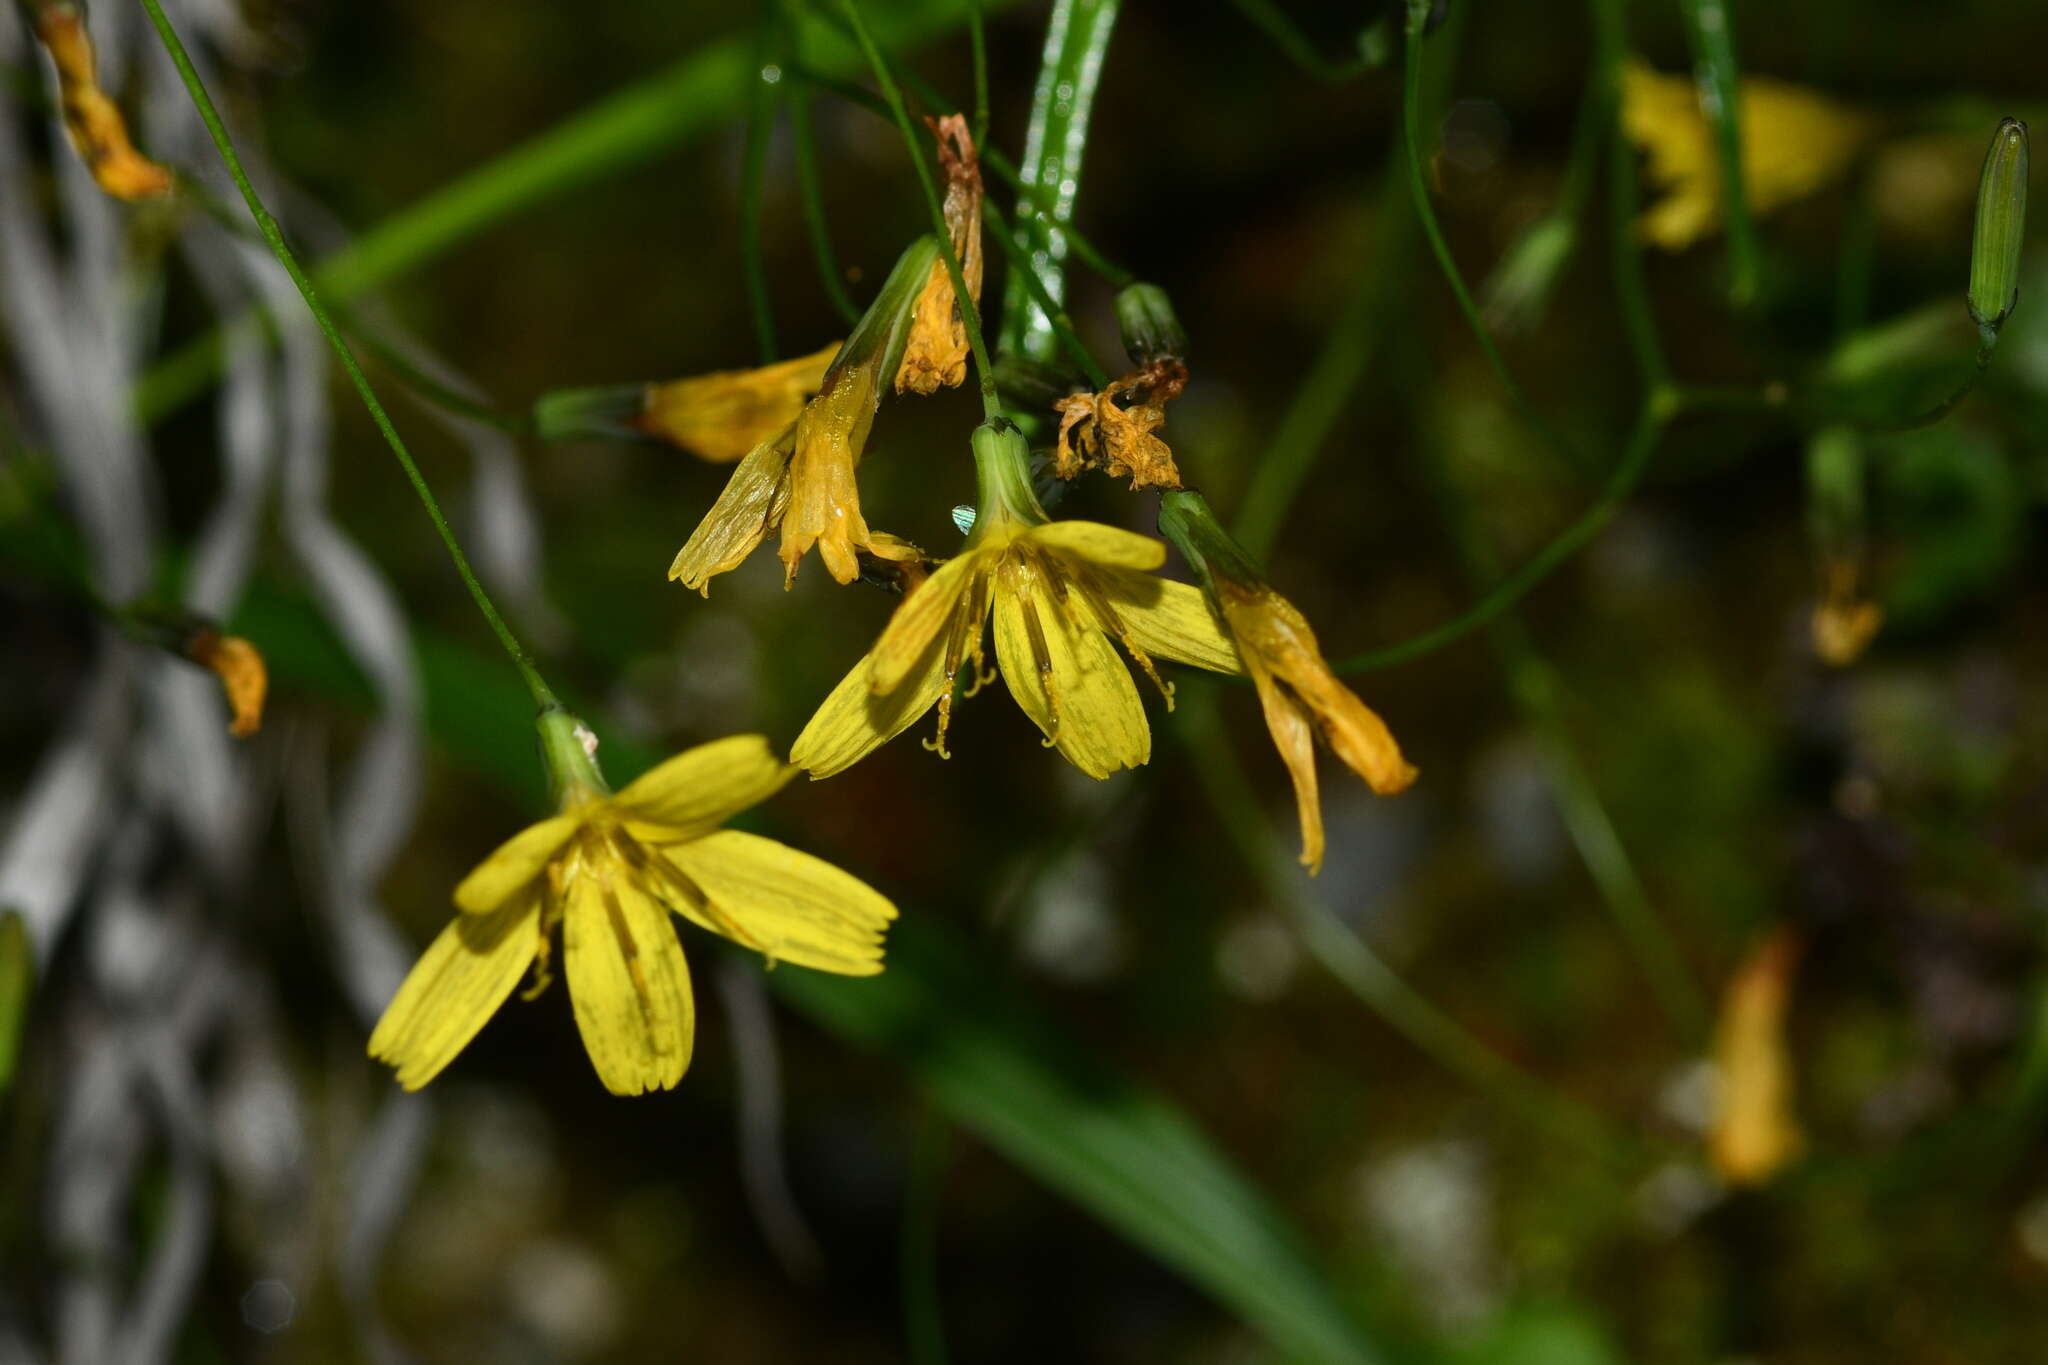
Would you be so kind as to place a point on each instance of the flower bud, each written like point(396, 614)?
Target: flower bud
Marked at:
point(1151, 330)
point(2001, 221)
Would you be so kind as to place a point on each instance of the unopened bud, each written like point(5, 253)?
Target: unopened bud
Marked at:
point(612, 412)
point(2001, 220)
point(1151, 330)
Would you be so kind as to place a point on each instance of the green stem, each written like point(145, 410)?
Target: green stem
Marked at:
point(978, 39)
point(1272, 21)
point(1632, 295)
point(761, 109)
point(1711, 32)
point(1535, 688)
point(1062, 325)
point(1077, 35)
point(918, 1255)
point(970, 315)
point(1297, 440)
point(542, 695)
point(1627, 473)
point(1361, 971)
point(626, 129)
point(1411, 118)
point(804, 135)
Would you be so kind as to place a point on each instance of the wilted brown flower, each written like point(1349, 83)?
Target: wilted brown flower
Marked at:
point(239, 666)
point(936, 354)
point(1112, 430)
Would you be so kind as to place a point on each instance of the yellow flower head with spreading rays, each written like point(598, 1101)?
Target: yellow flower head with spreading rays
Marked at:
point(1793, 142)
point(1301, 696)
point(1060, 592)
point(608, 869)
point(800, 478)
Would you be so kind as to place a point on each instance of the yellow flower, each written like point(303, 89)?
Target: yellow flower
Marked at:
point(1755, 1134)
point(935, 355)
point(1793, 142)
point(1845, 621)
point(800, 478)
point(1058, 592)
point(1297, 690)
point(243, 678)
point(724, 415)
point(1096, 431)
point(93, 121)
point(1303, 698)
point(608, 869)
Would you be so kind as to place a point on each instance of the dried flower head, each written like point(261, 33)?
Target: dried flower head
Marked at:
point(1113, 430)
point(935, 355)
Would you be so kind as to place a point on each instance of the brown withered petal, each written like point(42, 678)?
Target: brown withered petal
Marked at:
point(722, 416)
point(1098, 432)
point(93, 121)
point(239, 666)
point(1755, 1134)
point(935, 356)
point(1298, 691)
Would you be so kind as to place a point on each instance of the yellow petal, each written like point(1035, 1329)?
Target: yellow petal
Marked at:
point(1294, 736)
point(750, 506)
point(701, 788)
point(853, 722)
point(628, 982)
point(1099, 544)
point(1171, 620)
point(513, 864)
point(94, 122)
point(724, 415)
point(789, 906)
point(922, 617)
point(458, 984)
point(1067, 677)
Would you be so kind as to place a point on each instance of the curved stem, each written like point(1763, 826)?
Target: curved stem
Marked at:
point(804, 137)
point(1627, 473)
point(1342, 953)
point(970, 315)
point(1411, 118)
point(1272, 21)
point(1632, 294)
point(543, 696)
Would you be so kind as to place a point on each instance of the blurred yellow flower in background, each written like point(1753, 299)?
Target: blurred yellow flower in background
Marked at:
point(1793, 142)
point(94, 122)
point(1755, 1134)
point(1058, 591)
point(608, 869)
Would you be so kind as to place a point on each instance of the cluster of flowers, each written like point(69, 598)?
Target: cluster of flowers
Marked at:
point(1063, 596)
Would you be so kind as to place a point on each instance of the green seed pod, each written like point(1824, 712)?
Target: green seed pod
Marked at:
point(2001, 221)
point(1151, 329)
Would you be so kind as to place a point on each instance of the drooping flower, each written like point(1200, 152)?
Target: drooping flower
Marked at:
point(93, 121)
point(935, 355)
point(800, 479)
point(609, 869)
point(1794, 141)
point(1755, 1133)
point(1301, 696)
point(1059, 592)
